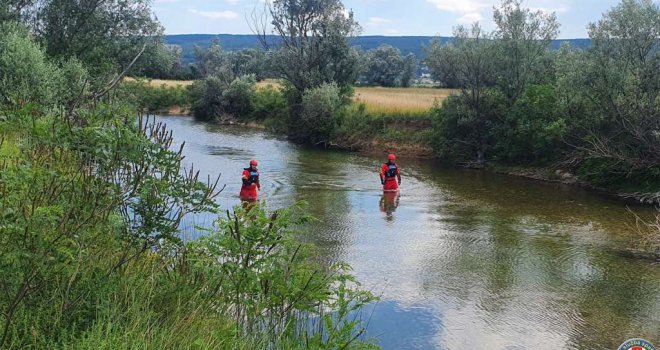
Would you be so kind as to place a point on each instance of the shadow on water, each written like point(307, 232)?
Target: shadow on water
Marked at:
point(462, 259)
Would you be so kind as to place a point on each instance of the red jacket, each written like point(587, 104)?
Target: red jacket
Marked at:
point(251, 184)
point(390, 176)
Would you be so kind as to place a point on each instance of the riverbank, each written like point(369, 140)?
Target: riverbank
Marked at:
point(379, 121)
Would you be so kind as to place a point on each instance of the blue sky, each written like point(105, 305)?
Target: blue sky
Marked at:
point(377, 17)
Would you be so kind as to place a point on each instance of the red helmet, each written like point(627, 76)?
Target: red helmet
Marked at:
point(391, 157)
point(254, 162)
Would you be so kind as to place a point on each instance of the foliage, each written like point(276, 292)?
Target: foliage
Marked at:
point(27, 77)
point(612, 92)
point(409, 68)
point(106, 36)
point(532, 132)
point(313, 46)
point(215, 98)
point(465, 128)
point(462, 131)
point(384, 66)
point(442, 61)
point(239, 96)
point(154, 99)
point(522, 37)
point(318, 118)
point(271, 107)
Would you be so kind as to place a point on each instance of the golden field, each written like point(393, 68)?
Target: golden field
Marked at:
point(376, 99)
point(400, 100)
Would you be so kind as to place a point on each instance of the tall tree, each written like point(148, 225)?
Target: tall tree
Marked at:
point(465, 126)
point(613, 91)
point(442, 61)
point(523, 37)
point(312, 50)
point(313, 46)
point(106, 35)
point(408, 72)
point(384, 66)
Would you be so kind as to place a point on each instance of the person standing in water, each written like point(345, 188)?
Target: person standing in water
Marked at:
point(390, 175)
point(251, 182)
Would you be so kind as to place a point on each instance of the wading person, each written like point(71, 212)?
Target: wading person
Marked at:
point(250, 182)
point(390, 175)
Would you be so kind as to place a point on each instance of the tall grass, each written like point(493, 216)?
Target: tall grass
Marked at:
point(414, 101)
point(400, 100)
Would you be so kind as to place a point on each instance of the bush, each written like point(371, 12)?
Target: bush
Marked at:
point(238, 97)
point(319, 111)
point(532, 131)
point(271, 107)
point(154, 98)
point(26, 76)
point(207, 98)
point(214, 97)
point(463, 134)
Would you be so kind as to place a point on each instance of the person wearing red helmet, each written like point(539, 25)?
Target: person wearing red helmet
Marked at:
point(390, 175)
point(251, 182)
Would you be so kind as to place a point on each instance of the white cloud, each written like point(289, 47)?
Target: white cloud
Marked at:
point(562, 8)
point(393, 31)
point(470, 18)
point(376, 21)
point(464, 6)
point(215, 14)
point(233, 2)
point(165, 1)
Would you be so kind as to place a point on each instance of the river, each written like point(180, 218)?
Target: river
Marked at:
point(461, 259)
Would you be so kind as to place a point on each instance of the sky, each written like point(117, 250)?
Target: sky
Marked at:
point(378, 17)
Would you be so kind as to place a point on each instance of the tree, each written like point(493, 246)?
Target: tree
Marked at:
point(465, 127)
point(159, 61)
point(313, 42)
point(614, 86)
point(384, 66)
point(105, 35)
point(523, 38)
point(312, 50)
point(442, 62)
point(408, 72)
point(212, 61)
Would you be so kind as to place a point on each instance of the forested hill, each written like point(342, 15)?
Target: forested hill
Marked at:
point(229, 42)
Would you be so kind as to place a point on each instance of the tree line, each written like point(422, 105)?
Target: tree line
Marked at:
point(593, 111)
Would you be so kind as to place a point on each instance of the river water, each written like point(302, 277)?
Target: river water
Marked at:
point(461, 259)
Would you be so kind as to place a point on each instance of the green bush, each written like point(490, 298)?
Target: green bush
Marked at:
point(154, 99)
point(207, 98)
point(532, 131)
point(462, 133)
point(239, 96)
point(319, 113)
point(26, 75)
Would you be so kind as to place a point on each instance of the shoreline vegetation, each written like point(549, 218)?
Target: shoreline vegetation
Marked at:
point(404, 119)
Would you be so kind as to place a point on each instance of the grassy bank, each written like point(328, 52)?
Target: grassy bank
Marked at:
point(377, 100)
point(382, 120)
point(92, 256)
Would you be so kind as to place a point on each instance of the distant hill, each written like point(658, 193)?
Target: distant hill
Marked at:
point(406, 44)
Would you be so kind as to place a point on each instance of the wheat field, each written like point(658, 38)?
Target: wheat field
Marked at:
point(400, 100)
point(376, 99)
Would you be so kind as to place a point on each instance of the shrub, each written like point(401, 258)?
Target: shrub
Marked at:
point(238, 97)
point(26, 76)
point(318, 117)
point(532, 131)
point(207, 98)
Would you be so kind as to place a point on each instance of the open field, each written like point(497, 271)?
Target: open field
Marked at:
point(168, 83)
point(376, 99)
point(400, 100)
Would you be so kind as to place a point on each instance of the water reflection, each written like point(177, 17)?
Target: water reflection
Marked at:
point(468, 259)
point(389, 201)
